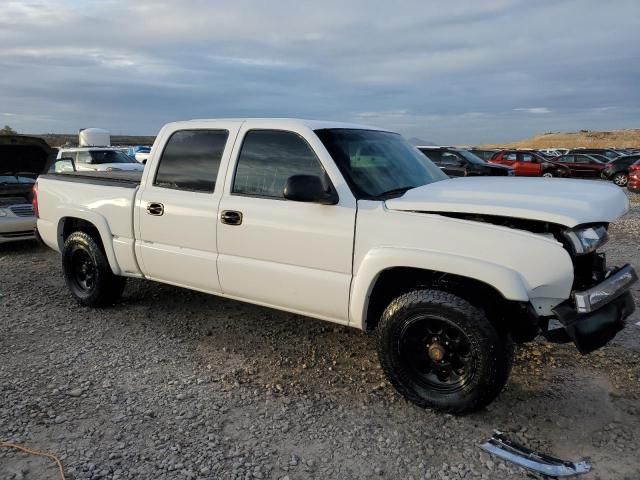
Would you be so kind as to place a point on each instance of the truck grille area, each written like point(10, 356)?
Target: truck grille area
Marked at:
point(25, 210)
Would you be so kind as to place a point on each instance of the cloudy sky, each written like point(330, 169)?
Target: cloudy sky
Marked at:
point(449, 72)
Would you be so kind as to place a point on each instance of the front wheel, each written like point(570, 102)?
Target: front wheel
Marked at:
point(620, 179)
point(439, 351)
point(548, 174)
point(87, 272)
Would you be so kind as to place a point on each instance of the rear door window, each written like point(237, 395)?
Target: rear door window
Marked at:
point(191, 160)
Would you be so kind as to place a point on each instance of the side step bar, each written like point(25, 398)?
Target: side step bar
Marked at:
point(500, 446)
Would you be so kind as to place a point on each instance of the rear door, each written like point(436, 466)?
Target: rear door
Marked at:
point(528, 165)
point(286, 254)
point(586, 167)
point(569, 161)
point(177, 210)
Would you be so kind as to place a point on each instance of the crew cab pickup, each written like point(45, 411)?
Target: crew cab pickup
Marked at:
point(352, 225)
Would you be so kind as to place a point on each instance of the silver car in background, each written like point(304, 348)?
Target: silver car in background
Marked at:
point(22, 159)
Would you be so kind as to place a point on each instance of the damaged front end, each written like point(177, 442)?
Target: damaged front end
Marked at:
point(601, 300)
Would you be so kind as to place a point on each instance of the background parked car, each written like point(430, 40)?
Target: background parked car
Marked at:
point(582, 165)
point(22, 159)
point(93, 159)
point(140, 153)
point(634, 177)
point(457, 162)
point(618, 170)
point(610, 153)
point(529, 163)
point(484, 153)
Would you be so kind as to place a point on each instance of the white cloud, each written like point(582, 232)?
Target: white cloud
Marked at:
point(534, 110)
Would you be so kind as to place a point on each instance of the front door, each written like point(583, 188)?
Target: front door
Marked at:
point(286, 254)
point(178, 208)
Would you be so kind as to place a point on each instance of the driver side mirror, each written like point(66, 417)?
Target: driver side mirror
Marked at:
point(309, 188)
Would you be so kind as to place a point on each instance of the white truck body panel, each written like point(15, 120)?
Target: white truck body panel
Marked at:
point(387, 239)
point(108, 208)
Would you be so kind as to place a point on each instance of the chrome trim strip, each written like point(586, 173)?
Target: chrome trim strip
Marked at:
point(609, 289)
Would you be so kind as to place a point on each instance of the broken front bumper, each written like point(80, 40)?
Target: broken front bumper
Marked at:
point(500, 446)
point(594, 316)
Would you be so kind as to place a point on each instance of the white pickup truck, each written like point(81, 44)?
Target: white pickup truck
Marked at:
point(352, 225)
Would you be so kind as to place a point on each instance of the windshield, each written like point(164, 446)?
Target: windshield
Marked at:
point(470, 157)
point(110, 156)
point(378, 164)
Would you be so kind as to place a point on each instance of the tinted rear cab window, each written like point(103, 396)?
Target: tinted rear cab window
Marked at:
point(191, 160)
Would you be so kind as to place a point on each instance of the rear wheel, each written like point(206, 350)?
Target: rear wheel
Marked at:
point(87, 272)
point(621, 179)
point(440, 351)
point(548, 174)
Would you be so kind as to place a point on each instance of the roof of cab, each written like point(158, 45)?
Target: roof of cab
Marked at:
point(288, 123)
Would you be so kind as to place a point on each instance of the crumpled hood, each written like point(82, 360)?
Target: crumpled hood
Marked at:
point(561, 201)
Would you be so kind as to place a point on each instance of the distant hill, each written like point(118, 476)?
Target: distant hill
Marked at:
point(59, 139)
point(583, 138)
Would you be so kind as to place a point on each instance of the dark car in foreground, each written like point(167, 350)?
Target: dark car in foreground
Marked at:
point(582, 165)
point(457, 162)
point(529, 163)
point(617, 170)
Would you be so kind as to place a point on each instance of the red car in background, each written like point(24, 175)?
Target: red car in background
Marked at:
point(634, 178)
point(581, 165)
point(529, 163)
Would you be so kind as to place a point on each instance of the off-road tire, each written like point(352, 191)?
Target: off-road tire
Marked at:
point(105, 287)
point(491, 350)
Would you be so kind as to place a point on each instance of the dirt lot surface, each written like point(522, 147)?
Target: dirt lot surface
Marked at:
point(172, 384)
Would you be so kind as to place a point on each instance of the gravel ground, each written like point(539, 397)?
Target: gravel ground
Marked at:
point(173, 384)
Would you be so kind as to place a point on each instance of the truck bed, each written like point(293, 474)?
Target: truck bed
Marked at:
point(117, 178)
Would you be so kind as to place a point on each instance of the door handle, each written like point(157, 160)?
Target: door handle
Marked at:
point(231, 217)
point(155, 208)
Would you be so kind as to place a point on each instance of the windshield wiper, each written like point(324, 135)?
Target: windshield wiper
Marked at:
point(395, 191)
